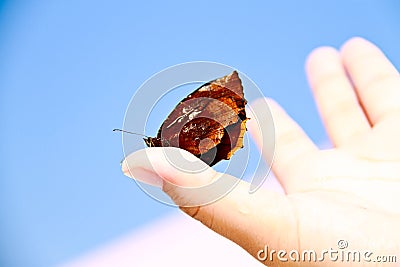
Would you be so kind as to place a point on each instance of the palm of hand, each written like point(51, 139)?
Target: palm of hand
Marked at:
point(348, 193)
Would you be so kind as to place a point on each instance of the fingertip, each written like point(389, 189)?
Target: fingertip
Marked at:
point(354, 41)
point(321, 52)
point(318, 57)
point(354, 45)
point(176, 166)
point(132, 166)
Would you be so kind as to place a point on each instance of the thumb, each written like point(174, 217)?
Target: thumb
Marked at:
point(220, 201)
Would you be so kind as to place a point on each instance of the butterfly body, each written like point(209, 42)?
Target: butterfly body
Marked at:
point(209, 123)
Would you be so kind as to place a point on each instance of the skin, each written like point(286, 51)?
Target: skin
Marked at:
point(349, 192)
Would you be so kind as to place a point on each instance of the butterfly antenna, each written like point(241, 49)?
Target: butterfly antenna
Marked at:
point(119, 130)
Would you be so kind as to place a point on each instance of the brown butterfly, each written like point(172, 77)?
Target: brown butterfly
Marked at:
point(209, 123)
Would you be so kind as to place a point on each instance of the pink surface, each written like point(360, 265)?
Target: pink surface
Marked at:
point(175, 240)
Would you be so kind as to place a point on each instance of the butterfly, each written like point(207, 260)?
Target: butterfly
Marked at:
point(209, 123)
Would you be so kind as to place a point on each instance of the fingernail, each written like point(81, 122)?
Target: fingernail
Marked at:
point(142, 175)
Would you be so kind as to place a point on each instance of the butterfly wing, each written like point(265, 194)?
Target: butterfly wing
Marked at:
point(210, 122)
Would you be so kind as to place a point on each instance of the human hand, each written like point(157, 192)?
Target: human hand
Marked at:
point(350, 192)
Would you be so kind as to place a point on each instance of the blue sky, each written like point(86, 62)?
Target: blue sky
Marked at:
point(69, 68)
